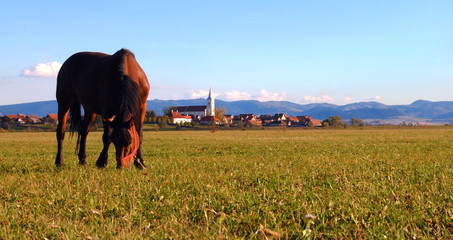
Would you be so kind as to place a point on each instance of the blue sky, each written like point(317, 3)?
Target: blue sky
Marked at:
point(393, 52)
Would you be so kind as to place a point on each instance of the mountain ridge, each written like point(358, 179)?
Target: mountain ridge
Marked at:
point(419, 111)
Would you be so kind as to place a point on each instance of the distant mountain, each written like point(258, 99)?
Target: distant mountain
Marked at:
point(35, 108)
point(419, 111)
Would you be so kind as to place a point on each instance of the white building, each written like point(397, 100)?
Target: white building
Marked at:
point(199, 112)
point(178, 118)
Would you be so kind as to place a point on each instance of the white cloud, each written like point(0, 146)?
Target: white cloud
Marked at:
point(49, 69)
point(322, 99)
point(375, 98)
point(201, 93)
point(236, 96)
point(347, 99)
point(267, 96)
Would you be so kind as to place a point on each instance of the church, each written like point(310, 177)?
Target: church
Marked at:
point(199, 112)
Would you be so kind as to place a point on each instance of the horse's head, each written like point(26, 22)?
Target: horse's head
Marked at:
point(126, 139)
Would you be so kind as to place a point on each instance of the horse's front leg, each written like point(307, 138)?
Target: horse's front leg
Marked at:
point(85, 128)
point(102, 160)
point(138, 161)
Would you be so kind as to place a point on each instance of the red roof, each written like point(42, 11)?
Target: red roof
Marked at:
point(307, 119)
point(316, 122)
point(175, 114)
point(54, 116)
point(293, 119)
point(34, 118)
point(11, 116)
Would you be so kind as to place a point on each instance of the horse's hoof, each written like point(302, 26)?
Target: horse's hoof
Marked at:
point(101, 165)
point(82, 163)
point(58, 163)
point(101, 162)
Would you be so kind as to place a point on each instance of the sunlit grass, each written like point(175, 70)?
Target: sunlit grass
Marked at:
point(234, 184)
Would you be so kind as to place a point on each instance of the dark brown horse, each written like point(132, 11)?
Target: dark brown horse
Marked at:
point(113, 86)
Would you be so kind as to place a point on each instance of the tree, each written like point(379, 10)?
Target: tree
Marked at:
point(162, 121)
point(240, 125)
point(167, 110)
point(49, 121)
point(5, 125)
point(97, 123)
point(333, 121)
point(220, 112)
point(213, 127)
point(8, 120)
point(151, 114)
point(355, 122)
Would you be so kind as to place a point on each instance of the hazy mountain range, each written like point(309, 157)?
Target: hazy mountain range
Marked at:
point(421, 111)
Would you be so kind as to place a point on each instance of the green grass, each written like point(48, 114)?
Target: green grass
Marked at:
point(371, 184)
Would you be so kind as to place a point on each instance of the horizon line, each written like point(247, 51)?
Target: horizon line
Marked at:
point(308, 103)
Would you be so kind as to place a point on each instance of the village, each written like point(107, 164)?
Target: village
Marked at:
point(194, 116)
point(210, 115)
point(178, 119)
point(247, 120)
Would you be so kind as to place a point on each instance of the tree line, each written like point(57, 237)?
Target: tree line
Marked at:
point(336, 121)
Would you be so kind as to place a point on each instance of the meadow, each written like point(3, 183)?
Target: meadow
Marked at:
point(260, 184)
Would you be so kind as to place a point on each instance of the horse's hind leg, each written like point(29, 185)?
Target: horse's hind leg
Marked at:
point(85, 128)
point(63, 110)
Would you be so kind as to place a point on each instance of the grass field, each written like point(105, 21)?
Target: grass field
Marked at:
point(293, 184)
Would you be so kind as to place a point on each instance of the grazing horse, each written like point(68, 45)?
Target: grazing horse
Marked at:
point(113, 86)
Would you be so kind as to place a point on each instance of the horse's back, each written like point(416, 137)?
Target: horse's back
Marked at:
point(92, 78)
point(79, 63)
point(78, 78)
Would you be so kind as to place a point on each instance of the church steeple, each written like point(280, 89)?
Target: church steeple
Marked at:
point(210, 91)
point(210, 104)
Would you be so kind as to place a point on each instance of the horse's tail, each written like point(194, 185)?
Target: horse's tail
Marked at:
point(76, 121)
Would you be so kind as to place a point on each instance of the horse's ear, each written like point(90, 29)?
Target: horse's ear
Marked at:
point(109, 121)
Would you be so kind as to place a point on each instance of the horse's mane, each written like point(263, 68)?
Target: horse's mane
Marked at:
point(129, 96)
